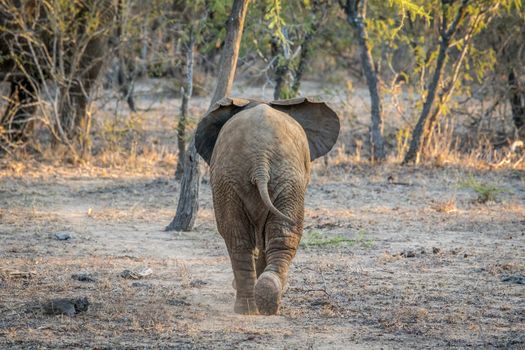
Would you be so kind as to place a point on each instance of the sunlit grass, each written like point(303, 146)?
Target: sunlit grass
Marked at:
point(319, 239)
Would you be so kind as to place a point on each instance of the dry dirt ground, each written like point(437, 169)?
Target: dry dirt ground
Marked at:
point(392, 257)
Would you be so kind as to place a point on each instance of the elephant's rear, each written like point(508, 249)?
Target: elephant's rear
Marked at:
point(260, 164)
point(259, 171)
point(261, 142)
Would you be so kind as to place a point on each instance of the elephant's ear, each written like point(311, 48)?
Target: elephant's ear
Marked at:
point(210, 126)
point(319, 121)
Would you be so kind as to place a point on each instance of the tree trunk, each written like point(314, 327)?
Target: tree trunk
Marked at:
point(125, 82)
point(74, 117)
point(187, 91)
point(517, 103)
point(419, 133)
point(230, 52)
point(188, 204)
point(447, 90)
point(83, 65)
point(16, 120)
point(188, 200)
point(282, 70)
point(421, 128)
point(356, 20)
point(125, 73)
point(301, 67)
point(376, 129)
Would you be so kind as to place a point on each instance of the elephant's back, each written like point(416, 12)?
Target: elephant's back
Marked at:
point(259, 143)
point(260, 139)
point(261, 131)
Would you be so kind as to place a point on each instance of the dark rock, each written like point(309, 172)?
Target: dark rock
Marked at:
point(178, 302)
point(408, 254)
point(435, 250)
point(136, 274)
point(319, 302)
point(140, 285)
point(83, 277)
point(514, 279)
point(66, 306)
point(62, 236)
point(198, 283)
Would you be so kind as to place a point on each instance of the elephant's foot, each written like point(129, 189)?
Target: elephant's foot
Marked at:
point(245, 306)
point(268, 291)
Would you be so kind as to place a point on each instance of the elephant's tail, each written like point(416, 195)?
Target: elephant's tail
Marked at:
point(262, 186)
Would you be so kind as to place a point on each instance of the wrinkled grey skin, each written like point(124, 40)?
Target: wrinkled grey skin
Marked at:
point(259, 170)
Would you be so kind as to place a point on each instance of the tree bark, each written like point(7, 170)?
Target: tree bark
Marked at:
point(125, 73)
point(188, 207)
point(230, 52)
point(421, 128)
point(16, 120)
point(282, 70)
point(187, 91)
point(301, 67)
point(355, 18)
point(125, 82)
point(517, 103)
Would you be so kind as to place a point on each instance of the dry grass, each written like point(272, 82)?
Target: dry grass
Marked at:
point(447, 206)
point(144, 143)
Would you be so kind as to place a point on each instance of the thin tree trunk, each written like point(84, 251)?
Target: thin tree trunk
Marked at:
point(376, 131)
point(517, 103)
point(143, 71)
point(448, 90)
point(414, 150)
point(124, 78)
point(419, 132)
point(356, 20)
point(125, 82)
point(230, 53)
point(187, 92)
point(16, 120)
point(301, 67)
point(282, 70)
point(188, 200)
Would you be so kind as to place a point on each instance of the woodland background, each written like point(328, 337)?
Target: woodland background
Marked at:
point(414, 227)
point(445, 77)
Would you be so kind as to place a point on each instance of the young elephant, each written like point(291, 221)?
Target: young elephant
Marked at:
point(259, 155)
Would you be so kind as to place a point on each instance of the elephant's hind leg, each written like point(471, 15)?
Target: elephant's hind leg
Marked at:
point(237, 231)
point(282, 241)
point(260, 264)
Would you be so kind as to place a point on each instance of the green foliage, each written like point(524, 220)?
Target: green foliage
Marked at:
point(275, 22)
point(318, 239)
point(412, 8)
point(486, 192)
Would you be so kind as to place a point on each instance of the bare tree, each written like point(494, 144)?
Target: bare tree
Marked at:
point(186, 92)
point(517, 103)
point(126, 70)
point(355, 15)
point(188, 199)
point(55, 56)
point(446, 33)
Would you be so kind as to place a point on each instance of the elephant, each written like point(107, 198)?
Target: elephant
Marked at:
point(260, 157)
